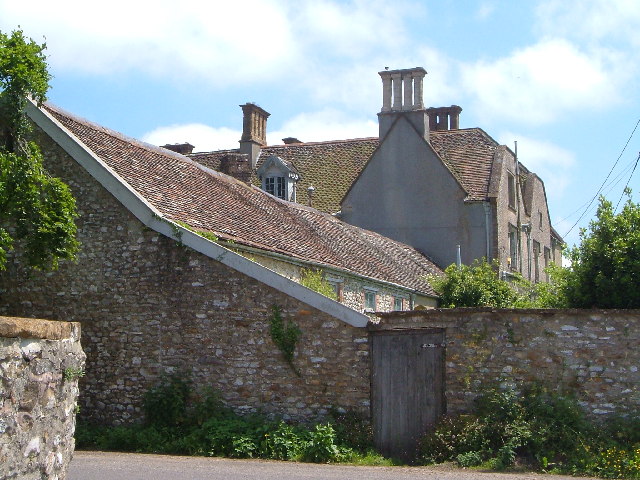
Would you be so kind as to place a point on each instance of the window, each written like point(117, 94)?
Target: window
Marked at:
point(398, 304)
point(275, 186)
point(370, 300)
point(540, 222)
point(512, 261)
point(511, 187)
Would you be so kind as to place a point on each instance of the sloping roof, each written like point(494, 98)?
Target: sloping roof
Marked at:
point(206, 200)
point(332, 166)
point(469, 152)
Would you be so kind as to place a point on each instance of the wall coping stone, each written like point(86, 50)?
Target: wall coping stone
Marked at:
point(16, 327)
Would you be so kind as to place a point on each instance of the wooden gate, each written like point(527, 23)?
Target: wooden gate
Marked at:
point(407, 387)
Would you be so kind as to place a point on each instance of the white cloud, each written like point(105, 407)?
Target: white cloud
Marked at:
point(553, 164)
point(202, 137)
point(218, 43)
point(593, 21)
point(537, 84)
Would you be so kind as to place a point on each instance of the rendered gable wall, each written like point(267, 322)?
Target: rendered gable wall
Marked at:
point(405, 192)
point(149, 306)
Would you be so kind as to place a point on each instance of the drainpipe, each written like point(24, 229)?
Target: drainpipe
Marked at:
point(527, 229)
point(487, 219)
point(458, 257)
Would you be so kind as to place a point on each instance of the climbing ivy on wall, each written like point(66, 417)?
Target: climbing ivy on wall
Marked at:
point(285, 334)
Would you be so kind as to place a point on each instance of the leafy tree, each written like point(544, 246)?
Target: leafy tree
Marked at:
point(605, 267)
point(36, 210)
point(477, 285)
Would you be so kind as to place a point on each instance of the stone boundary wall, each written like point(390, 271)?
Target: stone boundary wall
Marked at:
point(150, 307)
point(593, 354)
point(37, 398)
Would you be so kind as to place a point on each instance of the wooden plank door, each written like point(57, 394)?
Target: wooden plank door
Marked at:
point(407, 387)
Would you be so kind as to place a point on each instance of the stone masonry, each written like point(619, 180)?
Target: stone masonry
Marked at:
point(592, 354)
point(150, 306)
point(39, 365)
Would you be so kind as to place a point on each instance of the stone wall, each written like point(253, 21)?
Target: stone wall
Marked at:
point(37, 397)
point(150, 306)
point(590, 353)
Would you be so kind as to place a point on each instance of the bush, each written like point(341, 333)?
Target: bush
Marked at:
point(180, 421)
point(542, 428)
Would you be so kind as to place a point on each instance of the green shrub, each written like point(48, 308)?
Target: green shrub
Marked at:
point(321, 445)
point(540, 427)
point(166, 404)
point(282, 443)
point(180, 421)
point(352, 429)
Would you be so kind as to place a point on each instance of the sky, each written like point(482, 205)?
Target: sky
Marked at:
point(559, 77)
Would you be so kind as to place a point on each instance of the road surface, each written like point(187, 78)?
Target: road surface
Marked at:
point(129, 466)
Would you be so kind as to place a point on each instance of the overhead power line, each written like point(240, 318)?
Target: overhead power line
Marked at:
point(605, 180)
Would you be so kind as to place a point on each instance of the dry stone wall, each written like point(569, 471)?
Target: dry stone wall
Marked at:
point(39, 366)
point(590, 353)
point(149, 307)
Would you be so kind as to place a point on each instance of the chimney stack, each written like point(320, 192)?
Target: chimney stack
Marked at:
point(402, 94)
point(182, 148)
point(254, 131)
point(444, 118)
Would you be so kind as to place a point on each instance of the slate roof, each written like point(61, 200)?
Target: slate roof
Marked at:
point(185, 191)
point(332, 166)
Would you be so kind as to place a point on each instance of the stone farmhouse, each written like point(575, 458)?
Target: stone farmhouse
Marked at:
point(181, 267)
point(423, 181)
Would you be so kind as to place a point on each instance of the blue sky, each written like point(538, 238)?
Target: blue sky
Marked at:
point(560, 77)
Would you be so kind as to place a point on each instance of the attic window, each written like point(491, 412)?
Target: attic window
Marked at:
point(511, 187)
point(275, 186)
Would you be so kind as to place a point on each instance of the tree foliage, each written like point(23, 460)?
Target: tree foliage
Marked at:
point(476, 285)
point(479, 285)
point(36, 210)
point(605, 267)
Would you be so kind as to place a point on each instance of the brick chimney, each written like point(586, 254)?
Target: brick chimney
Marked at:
point(236, 165)
point(444, 118)
point(402, 95)
point(182, 148)
point(254, 131)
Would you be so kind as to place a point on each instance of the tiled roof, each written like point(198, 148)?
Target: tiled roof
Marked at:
point(210, 201)
point(331, 167)
point(469, 154)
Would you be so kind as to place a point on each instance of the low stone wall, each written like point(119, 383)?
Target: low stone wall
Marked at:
point(593, 354)
point(39, 363)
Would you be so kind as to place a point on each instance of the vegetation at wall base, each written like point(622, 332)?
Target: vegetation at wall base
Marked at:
point(541, 429)
point(183, 422)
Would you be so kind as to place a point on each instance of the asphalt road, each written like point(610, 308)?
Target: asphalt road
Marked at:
point(129, 466)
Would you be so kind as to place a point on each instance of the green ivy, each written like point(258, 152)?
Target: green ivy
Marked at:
point(314, 279)
point(284, 334)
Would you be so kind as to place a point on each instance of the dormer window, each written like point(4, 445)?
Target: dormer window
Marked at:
point(275, 186)
point(278, 178)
